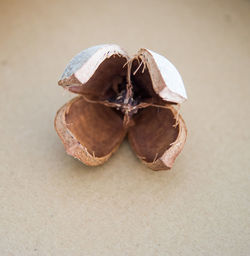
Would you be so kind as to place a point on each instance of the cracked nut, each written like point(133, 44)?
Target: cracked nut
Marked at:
point(120, 96)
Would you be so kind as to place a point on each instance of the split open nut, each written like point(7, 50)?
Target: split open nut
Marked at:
point(120, 96)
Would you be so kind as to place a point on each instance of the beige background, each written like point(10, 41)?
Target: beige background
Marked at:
point(52, 204)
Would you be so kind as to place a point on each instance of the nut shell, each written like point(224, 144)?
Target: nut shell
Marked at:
point(121, 95)
point(71, 143)
point(158, 147)
point(166, 80)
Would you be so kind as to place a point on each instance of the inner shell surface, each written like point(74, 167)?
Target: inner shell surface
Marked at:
point(153, 132)
point(96, 127)
point(100, 83)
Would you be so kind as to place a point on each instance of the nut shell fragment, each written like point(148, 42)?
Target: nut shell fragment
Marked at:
point(158, 137)
point(166, 80)
point(82, 147)
point(84, 65)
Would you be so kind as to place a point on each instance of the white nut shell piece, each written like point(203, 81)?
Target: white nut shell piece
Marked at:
point(85, 63)
point(166, 79)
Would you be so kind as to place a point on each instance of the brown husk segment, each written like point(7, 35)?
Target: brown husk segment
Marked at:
point(155, 138)
point(143, 87)
point(90, 132)
point(100, 83)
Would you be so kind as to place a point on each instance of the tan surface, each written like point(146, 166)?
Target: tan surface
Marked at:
point(51, 204)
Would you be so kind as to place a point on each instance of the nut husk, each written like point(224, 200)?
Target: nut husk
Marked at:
point(119, 95)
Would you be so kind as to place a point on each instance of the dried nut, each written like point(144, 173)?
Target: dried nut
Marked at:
point(119, 95)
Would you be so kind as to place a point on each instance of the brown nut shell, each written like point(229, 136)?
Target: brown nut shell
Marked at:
point(158, 137)
point(90, 132)
point(122, 95)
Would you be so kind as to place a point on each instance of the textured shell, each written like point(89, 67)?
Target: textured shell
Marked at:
point(166, 160)
point(166, 79)
point(72, 146)
point(84, 64)
point(166, 82)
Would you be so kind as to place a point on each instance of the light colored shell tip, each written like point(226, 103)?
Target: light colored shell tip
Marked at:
point(166, 79)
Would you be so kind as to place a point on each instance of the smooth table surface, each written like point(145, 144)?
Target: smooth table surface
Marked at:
point(51, 204)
